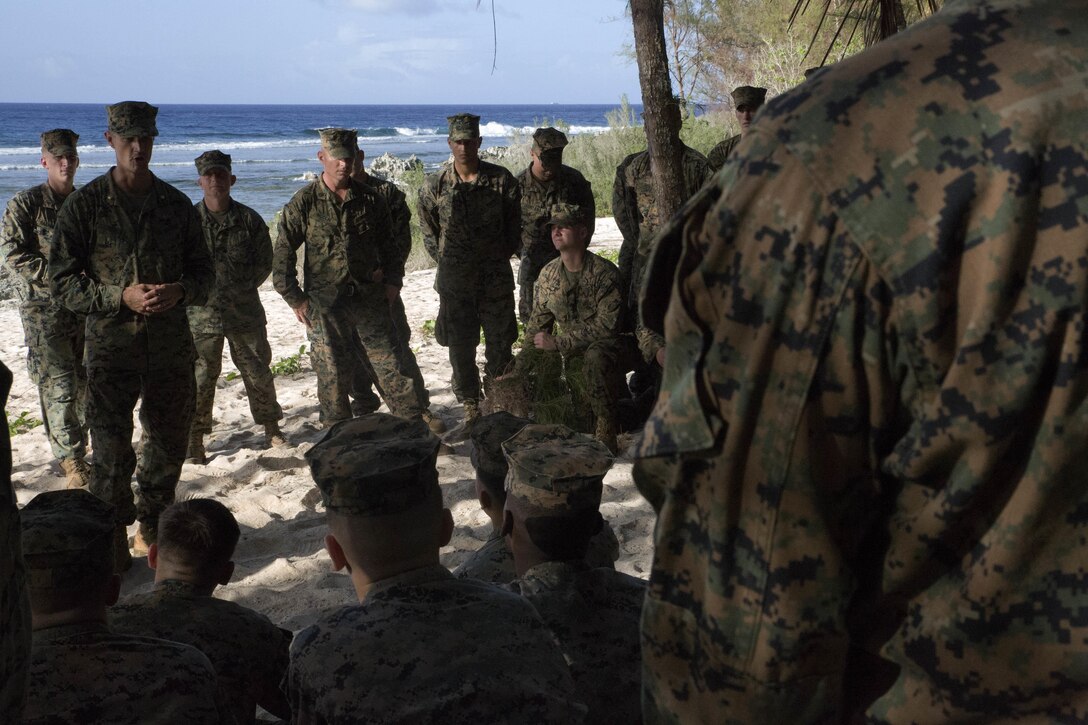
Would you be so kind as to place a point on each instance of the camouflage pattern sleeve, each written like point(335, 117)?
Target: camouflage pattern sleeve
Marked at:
point(427, 208)
point(625, 212)
point(599, 307)
point(18, 245)
point(401, 218)
point(290, 236)
point(389, 252)
point(69, 257)
point(542, 318)
point(262, 248)
point(198, 270)
point(874, 394)
point(720, 153)
point(581, 191)
point(511, 213)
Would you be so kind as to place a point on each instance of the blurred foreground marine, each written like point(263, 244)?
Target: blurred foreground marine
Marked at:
point(552, 511)
point(493, 562)
point(14, 605)
point(420, 646)
point(193, 555)
point(80, 671)
point(54, 334)
point(746, 100)
point(129, 253)
point(545, 183)
point(869, 450)
point(241, 250)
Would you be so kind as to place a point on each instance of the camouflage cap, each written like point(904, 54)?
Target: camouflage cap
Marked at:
point(340, 143)
point(464, 126)
point(131, 119)
point(212, 160)
point(488, 435)
point(565, 215)
point(549, 139)
point(552, 467)
point(65, 534)
point(749, 96)
point(60, 142)
point(375, 465)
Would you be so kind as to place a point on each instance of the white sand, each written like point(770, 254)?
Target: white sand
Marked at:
point(282, 568)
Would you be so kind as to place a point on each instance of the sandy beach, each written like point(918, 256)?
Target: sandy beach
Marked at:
point(282, 568)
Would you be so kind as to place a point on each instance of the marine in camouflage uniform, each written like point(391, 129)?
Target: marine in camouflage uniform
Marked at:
point(241, 249)
point(129, 253)
point(14, 605)
point(193, 554)
point(54, 335)
point(552, 508)
point(578, 314)
point(870, 441)
point(351, 266)
point(493, 562)
point(421, 646)
point(470, 215)
point(80, 671)
point(746, 101)
point(545, 183)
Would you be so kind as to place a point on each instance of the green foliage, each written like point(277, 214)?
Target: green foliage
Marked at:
point(612, 255)
point(427, 328)
point(289, 365)
point(232, 375)
point(23, 423)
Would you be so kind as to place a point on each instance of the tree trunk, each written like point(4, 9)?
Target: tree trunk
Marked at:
point(662, 126)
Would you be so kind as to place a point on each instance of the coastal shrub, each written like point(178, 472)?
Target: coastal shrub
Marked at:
point(410, 183)
point(289, 365)
point(21, 424)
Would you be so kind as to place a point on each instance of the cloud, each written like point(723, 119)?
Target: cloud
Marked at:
point(56, 66)
point(400, 7)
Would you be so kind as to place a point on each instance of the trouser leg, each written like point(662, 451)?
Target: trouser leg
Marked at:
point(372, 319)
point(166, 412)
point(206, 371)
point(112, 395)
point(251, 354)
point(326, 335)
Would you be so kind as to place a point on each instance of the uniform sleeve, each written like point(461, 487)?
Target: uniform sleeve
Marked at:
point(583, 197)
point(198, 275)
point(605, 323)
point(290, 236)
point(69, 258)
point(623, 211)
point(392, 263)
point(262, 250)
point(401, 218)
point(542, 319)
point(17, 246)
point(511, 214)
point(427, 208)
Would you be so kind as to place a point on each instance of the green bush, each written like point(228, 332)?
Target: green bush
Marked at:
point(24, 422)
point(289, 365)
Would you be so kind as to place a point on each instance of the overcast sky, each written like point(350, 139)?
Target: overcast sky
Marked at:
point(314, 51)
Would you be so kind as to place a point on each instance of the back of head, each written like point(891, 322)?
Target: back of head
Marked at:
point(554, 488)
point(199, 534)
point(379, 484)
point(67, 539)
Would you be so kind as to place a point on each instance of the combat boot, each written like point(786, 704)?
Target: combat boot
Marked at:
point(472, 413)
point(195, 453)
point(433, 422)
point(606, 433)
point(273, 436)
point(122, 558)
point(77, 473)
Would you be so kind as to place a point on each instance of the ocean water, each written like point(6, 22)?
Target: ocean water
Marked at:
point(272, 146)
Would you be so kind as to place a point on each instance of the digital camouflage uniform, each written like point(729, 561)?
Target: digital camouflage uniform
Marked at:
point(594, 614)
point(80, 671)
point(346, 243)
point(721, 152)
point(493, 562)
point(14, 606)
point(537, 199)
point(421, 646)
point(583, 310)
point(248, 652)
point(556, 474)
point(471, 229)
point(360, 386)
point(875, 393)
point(98, 250)
point(241, 251)
point(54, 335)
